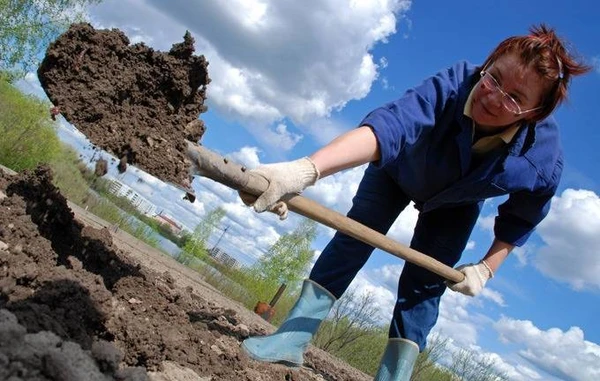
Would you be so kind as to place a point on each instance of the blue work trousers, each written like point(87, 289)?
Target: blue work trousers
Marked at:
point(441, 233)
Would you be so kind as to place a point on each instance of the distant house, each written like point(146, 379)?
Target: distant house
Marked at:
point(223, 257)
point(176, 228)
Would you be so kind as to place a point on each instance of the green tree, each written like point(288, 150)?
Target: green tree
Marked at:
point(195, 245)
point(28, 27)
point(288, 259)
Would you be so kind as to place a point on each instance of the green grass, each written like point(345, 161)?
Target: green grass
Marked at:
point(27, 133)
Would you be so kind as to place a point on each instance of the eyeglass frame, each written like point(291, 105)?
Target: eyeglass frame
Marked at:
point(498, 88)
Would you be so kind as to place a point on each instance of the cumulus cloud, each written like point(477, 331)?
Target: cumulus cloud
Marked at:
point(324, 130)
point(570, 233)
point(384, 298)
point(471, 245)
point(456, 321)
point(494, 296)
point(336, 191)
point(246, 156)
point(270, 60)
point(388, 275)
point(486, 223)
point(522, 254)
point(563, 354)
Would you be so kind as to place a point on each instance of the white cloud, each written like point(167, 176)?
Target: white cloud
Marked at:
point(563, 354)
point(246, 156)
point(336, 191)
point(403, 228)
point(511, 367)
point(471, 245)
point(514, 372)
point(570, 232)
point(455, 320)
point(388, 275)
point(384, 298)
point(279, 137)
point(494, 296)
point(270, 60)
point(596, 63)
point(324, 130)
point(486, 223)
point(383, 62)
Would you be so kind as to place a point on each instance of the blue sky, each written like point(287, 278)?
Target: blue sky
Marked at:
point(289, 76)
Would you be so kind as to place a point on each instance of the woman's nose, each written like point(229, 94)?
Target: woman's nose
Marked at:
point(495, 97)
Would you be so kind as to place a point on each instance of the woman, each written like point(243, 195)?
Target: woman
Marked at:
point(467, 134)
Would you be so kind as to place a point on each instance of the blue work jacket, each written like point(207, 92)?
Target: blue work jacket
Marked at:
point(426, 141)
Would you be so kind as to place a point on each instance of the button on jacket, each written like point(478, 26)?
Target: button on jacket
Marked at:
point(425, 140)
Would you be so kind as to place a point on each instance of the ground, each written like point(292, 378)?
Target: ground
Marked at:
point(79, 301)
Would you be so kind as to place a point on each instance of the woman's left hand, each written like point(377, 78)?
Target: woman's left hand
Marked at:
point(476, 276)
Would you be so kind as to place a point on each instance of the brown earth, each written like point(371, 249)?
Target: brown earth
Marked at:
point(135, 102)
point(81, 303)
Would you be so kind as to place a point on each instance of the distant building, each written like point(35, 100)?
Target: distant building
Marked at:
point(223, 257)
point(138, 201)
point(176, 228)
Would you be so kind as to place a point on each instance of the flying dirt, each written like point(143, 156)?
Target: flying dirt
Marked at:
point(139, 104)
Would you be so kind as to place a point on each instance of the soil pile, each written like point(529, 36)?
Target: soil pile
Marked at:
point(74, 307)
point(135, 102)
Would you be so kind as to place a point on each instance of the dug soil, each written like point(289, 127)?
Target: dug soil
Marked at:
point(133, 101)
point(75, 306)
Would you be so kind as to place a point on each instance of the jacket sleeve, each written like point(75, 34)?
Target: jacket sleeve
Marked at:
point(523, 211)
point(402, 122)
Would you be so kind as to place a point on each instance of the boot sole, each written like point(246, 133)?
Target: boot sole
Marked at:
point(288, 363)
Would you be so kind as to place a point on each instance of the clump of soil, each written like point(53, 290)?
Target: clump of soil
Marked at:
point(74, 307)
point(133, 101)
point(101, 167)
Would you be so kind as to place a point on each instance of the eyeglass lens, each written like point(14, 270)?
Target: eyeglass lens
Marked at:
point(507, 101)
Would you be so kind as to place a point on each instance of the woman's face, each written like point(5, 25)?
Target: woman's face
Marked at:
point(521, 83)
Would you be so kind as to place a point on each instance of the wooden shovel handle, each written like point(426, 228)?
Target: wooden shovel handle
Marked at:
point(214, 166)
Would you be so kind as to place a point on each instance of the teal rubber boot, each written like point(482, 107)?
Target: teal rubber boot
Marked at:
point(289, 342)
point(398, 360)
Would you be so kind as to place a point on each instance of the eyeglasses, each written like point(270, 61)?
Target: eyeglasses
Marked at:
point(508, 102)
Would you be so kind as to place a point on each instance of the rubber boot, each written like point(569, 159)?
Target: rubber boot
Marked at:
point(398, 360)
point(290, 341)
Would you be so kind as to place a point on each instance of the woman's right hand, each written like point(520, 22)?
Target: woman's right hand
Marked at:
point(284, 179)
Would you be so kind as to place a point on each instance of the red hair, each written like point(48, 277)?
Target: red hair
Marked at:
point(543, 50)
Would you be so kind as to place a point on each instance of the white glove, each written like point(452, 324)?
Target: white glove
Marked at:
point(476, 276)
point(284, 178)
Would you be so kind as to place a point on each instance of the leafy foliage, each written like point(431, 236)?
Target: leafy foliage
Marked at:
point(195, 246)
point(288, 259)
point(29, 26)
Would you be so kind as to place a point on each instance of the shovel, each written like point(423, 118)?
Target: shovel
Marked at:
point(209, 164)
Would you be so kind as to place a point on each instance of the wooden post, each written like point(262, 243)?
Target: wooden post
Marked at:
point(278, 294)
